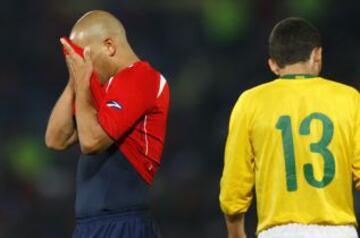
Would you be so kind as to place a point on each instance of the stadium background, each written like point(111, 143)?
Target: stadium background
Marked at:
point(209, 50)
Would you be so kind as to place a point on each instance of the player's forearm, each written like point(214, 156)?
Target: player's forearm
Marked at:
point(60, 132)
point(92, 138)
point(235, 226)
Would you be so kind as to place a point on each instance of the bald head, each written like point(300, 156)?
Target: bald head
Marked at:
point(97, 26)
point(104, 34)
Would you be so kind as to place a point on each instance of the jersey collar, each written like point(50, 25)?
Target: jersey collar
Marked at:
point(298, 76)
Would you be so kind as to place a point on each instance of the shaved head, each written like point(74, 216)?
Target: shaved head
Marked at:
point(98, 26)
point(105, 35)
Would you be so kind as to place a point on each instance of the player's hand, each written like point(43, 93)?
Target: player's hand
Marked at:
point(71, 82)
point(80, 69)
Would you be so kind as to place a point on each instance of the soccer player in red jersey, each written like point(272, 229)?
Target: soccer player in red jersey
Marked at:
point(115, 106)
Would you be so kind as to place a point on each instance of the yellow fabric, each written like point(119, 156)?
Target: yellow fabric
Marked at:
point(255, 156)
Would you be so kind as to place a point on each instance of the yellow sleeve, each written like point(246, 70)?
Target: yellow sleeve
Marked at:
point(356, 157)
point(238, 178)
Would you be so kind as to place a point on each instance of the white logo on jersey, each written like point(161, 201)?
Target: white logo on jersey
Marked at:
point(114, 104)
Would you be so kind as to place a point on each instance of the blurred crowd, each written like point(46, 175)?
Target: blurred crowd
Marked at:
point(210, 51)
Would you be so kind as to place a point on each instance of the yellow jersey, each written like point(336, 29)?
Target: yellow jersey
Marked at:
point(297, 140)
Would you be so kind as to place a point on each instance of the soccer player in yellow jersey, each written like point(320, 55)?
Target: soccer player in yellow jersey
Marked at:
point(296, 140)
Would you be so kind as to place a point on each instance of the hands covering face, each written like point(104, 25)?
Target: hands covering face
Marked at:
point(80, 68)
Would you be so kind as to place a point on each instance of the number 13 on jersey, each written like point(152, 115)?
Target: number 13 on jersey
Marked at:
point(321, 147)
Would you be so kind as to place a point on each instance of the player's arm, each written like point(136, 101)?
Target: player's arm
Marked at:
point(92, 137)
point(356, 145)
point(235, 226)
point(97, 130)
point(61, 132)
point(238, 179)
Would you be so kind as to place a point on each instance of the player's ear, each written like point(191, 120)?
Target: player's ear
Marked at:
point(274, 66)
point(316, 55)
point(110, 47)
point(317, 52)
point(316, 60)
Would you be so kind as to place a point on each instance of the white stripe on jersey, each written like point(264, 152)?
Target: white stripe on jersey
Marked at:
point(110, 81)
point(146, 136)
point(162, 85)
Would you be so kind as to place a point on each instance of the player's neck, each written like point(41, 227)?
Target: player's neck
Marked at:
point(125, 61)
point(117, 65)
point(298, 69)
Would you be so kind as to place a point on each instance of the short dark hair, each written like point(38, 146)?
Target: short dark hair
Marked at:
point(292, 41)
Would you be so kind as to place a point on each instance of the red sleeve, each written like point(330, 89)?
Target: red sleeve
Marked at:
point(129, 96)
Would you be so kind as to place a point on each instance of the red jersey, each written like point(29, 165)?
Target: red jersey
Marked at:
point(133, 112)
point(132, 109)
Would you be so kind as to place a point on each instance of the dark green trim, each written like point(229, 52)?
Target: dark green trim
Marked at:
point(298, 76)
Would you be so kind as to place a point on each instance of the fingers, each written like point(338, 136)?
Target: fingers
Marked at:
point(67, 46)
point(87, 58)
point(70, 66)
point(72, 55)
point(80, 68)
point(67, 60)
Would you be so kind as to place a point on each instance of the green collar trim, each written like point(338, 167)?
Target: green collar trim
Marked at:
point(298, 76)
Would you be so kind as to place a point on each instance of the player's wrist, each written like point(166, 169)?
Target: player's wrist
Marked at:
point(70, 89)
point(82, 85)
point(70, 84)
point(71, 80)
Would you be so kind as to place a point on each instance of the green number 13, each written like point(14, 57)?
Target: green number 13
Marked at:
point(320, 147)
